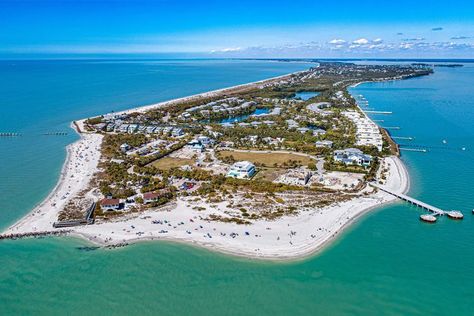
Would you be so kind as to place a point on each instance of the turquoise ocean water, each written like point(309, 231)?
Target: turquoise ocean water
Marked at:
point(387, 263)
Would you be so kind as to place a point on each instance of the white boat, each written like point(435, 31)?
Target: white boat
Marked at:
point(428, 218)
point(455, 215)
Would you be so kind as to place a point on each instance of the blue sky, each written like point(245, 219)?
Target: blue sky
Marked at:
point(438, 29)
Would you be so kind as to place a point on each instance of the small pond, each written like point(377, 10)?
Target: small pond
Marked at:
point(305, 95)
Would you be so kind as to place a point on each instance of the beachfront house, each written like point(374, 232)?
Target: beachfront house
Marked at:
point(132, 128)
point(110, 204)
point(100, 127)
point(150, 129)
point(242, 170)
point(122, 128)
point(352, 156)
point(151, 197)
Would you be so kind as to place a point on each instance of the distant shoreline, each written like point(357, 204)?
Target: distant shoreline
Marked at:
point(207, 94)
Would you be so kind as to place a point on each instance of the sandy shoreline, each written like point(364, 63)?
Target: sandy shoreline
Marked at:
point(271, 240)
point(81, 162)
point(207, 94)
point(288, 238)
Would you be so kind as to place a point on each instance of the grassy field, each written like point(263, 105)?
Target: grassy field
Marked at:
point(167, 163)
point(267, 159)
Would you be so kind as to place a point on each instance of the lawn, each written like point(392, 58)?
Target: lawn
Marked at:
point(167, 163)
point(267, 159)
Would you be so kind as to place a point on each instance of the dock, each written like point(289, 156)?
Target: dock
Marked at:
point(379, 112)
point(55, 134)
point(403, 137)
point(420, 150)
point(433, 209)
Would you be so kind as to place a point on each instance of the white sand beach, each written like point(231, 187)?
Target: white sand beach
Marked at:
point(81, 163)
point(289, 237)
point(204, 95)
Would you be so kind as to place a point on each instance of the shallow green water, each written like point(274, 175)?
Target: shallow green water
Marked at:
point(388, 263)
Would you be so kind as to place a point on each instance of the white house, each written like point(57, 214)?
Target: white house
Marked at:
point(242, 170)
point(177, 132)
point(132, 128)
point(352, 156)
point(206, 141)
point(124, 147)
point(324, 143)
point(195, 145)
point(110, 204)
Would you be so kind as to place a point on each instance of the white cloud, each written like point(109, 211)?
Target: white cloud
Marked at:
point(359, 47)
point(226, 50)
point(337, 41)
point(361, 41)
point(406, 46)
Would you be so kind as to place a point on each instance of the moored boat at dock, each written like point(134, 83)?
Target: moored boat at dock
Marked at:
point(428, 218)
point(455, 215)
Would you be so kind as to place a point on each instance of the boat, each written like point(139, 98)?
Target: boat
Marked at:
point(428, 218)
point(455, 215)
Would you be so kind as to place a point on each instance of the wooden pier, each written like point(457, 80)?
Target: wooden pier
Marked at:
point(403, 137)
point(420, 150)
point(413, 201)
point(378, 112)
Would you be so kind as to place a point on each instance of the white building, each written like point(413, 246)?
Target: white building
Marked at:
point(324, 143)
point(242, 170)
point(110, 204)
point(295, 177)
point(352, 156)
point(124, 147)
point(368, 133)
point(206, 141)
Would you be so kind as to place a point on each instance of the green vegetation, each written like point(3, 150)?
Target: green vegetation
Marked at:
point(265, 159)
point(167, 163)
point(150, 168)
